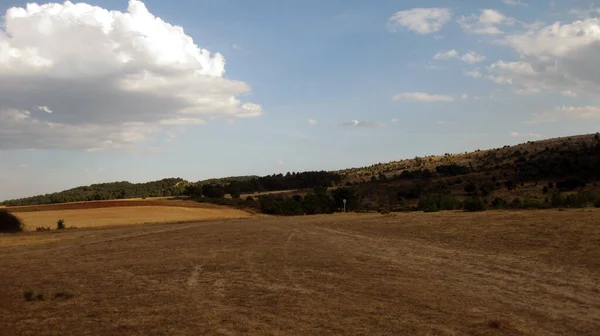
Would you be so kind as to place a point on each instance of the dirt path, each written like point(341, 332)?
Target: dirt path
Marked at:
point(497, 273)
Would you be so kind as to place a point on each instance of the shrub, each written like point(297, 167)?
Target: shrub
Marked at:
point(474, 204)
point(10, 222)
point(498, 203)
point(28, 296)
point(437, 202)
point(63, 295)
point(529, 203)
point(249, 198)
point(60, 224)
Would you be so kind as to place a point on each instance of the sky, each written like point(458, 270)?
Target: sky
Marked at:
point(120, 90)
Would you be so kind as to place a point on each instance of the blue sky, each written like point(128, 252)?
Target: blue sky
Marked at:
point(305, 85)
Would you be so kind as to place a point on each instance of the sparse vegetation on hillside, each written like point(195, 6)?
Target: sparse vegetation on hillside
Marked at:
point(561, 172)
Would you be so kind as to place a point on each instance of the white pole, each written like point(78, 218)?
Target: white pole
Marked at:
point(344, 205)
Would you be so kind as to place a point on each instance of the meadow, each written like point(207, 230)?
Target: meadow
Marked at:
point(445, 273)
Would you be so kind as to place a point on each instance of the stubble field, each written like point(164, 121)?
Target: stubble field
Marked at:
point(449, 273)
point(122, 212)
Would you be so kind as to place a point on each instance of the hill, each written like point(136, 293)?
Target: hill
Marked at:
point(546, 173)
point(107, 191)
point(536, 171)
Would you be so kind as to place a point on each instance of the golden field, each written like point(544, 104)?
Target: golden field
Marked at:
point(448, 273)
point(122, 212)
point(125, 216)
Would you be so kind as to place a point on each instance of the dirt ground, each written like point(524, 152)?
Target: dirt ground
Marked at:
point(449, 273)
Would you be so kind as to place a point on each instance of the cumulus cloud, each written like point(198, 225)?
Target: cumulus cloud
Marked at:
point(421, 20)
point(566, 113)
point(524, 135)
point(515, 3)
point(45, 109)
point(356, 123)
point(559, 58)
point(470, 57)
point(486, 23)
point(312, 122)
point(473, 73)
point(422, 97)
point(113, 79)
point(569, 93)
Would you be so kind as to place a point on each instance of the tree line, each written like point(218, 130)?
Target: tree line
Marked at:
point(107, 191)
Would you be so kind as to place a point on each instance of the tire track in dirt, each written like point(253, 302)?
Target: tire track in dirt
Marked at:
point(498, 278)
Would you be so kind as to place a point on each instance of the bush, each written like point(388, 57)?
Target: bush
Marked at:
point(10, 223)
point(498, 203)
point(60, 224)
point(437, 202)
point(474, 205)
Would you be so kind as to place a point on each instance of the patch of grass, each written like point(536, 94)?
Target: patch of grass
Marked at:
point(495, 324)
point(30, 296)
point(63, 295)
point(41, 228)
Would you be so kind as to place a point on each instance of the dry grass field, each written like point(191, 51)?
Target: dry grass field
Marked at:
point(448, 273)
point(125, 212)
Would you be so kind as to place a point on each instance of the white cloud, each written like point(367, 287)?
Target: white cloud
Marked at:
point(394, 120)
point(112, 78)
point(280, 162)
point(446, 55)
point(524, 135)
point(485, 23)
point(312, 122)
point(445, 122)
point(422, 97)
point(584, 13)
point(473, 73)
point(515, 3)
point(356, 123)
point(558, 58)
point(465, 96)
point(421, 20)
point(45, 109)
point(470, 57)
point(23, 166)
point(566, 113)
point(438, 37)
point(569, 93)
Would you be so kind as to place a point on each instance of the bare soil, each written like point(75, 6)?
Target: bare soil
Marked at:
point(450, 273)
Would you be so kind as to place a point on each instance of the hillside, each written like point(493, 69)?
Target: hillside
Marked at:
point(541, 173)
point(107, 191)
point(534, 171)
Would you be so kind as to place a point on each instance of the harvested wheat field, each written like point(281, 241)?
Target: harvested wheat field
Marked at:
point(449, 273)
point(123, 212)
